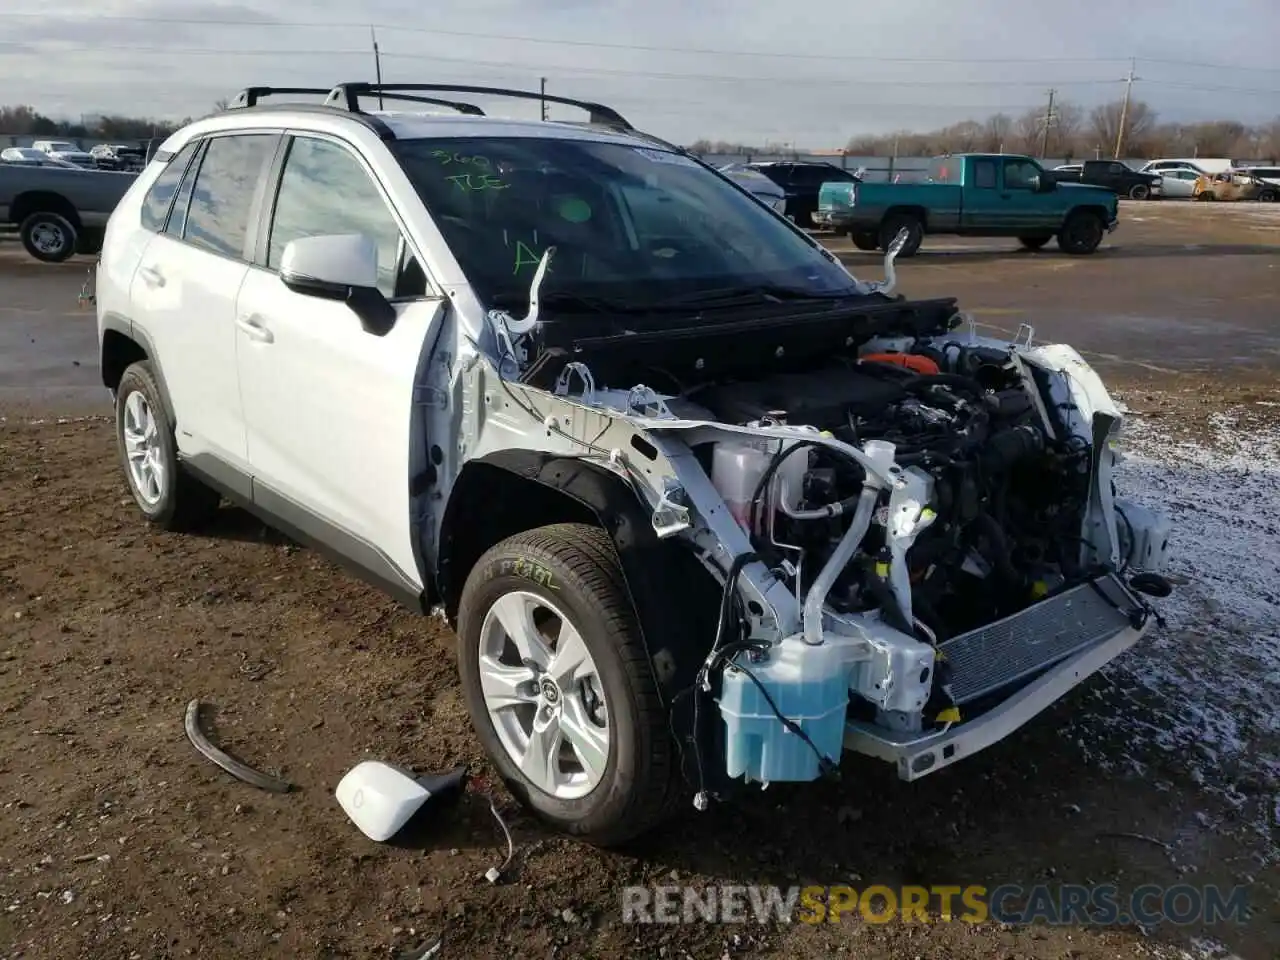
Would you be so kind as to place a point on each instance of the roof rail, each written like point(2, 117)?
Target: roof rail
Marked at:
point(250, 96)
point(347, 96)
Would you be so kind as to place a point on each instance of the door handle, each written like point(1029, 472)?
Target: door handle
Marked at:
point(1006, 196)
point(254, 330)
point(151, 277)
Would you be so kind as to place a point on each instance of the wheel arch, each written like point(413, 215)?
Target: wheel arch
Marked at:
point(1097, 209)
point(907, 209)
point(122, 345)
point(506, 493)
point(43, 201)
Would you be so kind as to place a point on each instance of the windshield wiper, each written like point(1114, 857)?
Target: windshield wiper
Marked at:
point(753, 293)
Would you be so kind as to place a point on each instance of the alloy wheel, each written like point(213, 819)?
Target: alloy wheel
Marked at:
point(544, 695)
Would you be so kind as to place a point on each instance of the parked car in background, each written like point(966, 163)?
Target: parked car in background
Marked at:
point(976, 195)
point(119, 156)
point(1179, 184)
point(1113, 175)
point(1269, 192)
point(801, 180)
point(59, 211)
point(68, 151)
point(1230, 186)
point(760, 186)
point(1206, 165)
point(31, 157)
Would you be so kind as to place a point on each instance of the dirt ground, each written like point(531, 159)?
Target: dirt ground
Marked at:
point(118, 840)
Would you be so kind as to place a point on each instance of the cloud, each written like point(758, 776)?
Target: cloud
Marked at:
point(838, 69)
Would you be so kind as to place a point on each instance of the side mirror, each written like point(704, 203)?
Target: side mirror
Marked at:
point(339, 267)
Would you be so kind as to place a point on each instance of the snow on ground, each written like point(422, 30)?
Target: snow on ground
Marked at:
point(1200, 694)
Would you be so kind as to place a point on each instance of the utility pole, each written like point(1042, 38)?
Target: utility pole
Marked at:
point(1124, 110)
point(377, 64)
point(543, 91)
point(1048, 120)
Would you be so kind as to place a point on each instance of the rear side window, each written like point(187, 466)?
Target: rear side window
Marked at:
point(218, 215)
point(156, 204)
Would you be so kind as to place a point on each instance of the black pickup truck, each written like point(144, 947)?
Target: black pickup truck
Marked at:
point(1112, 175)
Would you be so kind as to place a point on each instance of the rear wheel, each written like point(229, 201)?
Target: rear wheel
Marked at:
point(559, 686)
point(1139, 191)
point(48, 236)
point(1082, 233)
point(864, 241)
point(1034, 243)
point(902, 221)
point(1268, 195)
point(166, 494)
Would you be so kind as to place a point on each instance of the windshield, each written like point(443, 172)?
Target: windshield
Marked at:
point(630, 225)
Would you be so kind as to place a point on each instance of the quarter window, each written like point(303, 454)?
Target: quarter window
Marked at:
point(325, 191)
point(156, 204)
point(218, 215)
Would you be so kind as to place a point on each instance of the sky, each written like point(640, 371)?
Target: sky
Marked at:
point(806, 75)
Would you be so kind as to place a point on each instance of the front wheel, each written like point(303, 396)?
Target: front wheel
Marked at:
point(49, 237)
point(1034, 243)
point(1082, 233)
point(902, 221)
point(1268, 195)
point(559, 686)
point(1139, 191)
point(864, 241)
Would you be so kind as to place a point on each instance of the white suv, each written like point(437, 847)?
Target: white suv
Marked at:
point(703, 508)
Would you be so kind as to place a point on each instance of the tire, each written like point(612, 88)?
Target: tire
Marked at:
point(1034, 243)
point(176, 500)
point(49, 237)
point(1206, 196)
point(1268, 195)
point(864, 241)
point(89, 242)
point(1081, 234)
point(571, 572)
point(1139, 191)
point(895, 222)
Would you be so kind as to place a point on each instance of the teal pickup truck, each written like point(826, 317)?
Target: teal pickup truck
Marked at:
point(973, 195)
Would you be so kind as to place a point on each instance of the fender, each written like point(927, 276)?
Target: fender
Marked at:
point(674, 597)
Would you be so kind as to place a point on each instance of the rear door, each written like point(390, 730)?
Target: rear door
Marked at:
point(329, 407)
point(184, 289)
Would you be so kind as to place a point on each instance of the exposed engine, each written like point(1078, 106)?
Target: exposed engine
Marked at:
point(1007, 499)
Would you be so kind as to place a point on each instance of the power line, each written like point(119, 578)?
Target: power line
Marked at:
point(607, 45)
point(646, 74)
point(643, 74)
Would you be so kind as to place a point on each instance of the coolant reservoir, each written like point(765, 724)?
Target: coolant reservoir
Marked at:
point(736, 469)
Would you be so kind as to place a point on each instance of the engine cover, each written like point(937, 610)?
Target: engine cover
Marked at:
point(820, 398)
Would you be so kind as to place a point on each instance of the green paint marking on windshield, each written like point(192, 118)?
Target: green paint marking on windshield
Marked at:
point(574, 209)
point(525, 257)
point(474, 182)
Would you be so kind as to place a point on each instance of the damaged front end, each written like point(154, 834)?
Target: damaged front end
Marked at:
point(915, 527)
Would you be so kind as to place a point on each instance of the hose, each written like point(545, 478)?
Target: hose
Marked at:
point(839, 559)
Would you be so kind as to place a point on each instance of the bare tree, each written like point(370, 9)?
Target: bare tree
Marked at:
point(1104, 122)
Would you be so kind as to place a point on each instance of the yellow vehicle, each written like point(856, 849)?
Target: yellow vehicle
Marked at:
point(1228, 185)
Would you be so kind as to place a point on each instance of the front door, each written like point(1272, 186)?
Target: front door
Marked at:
point(329, 407)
